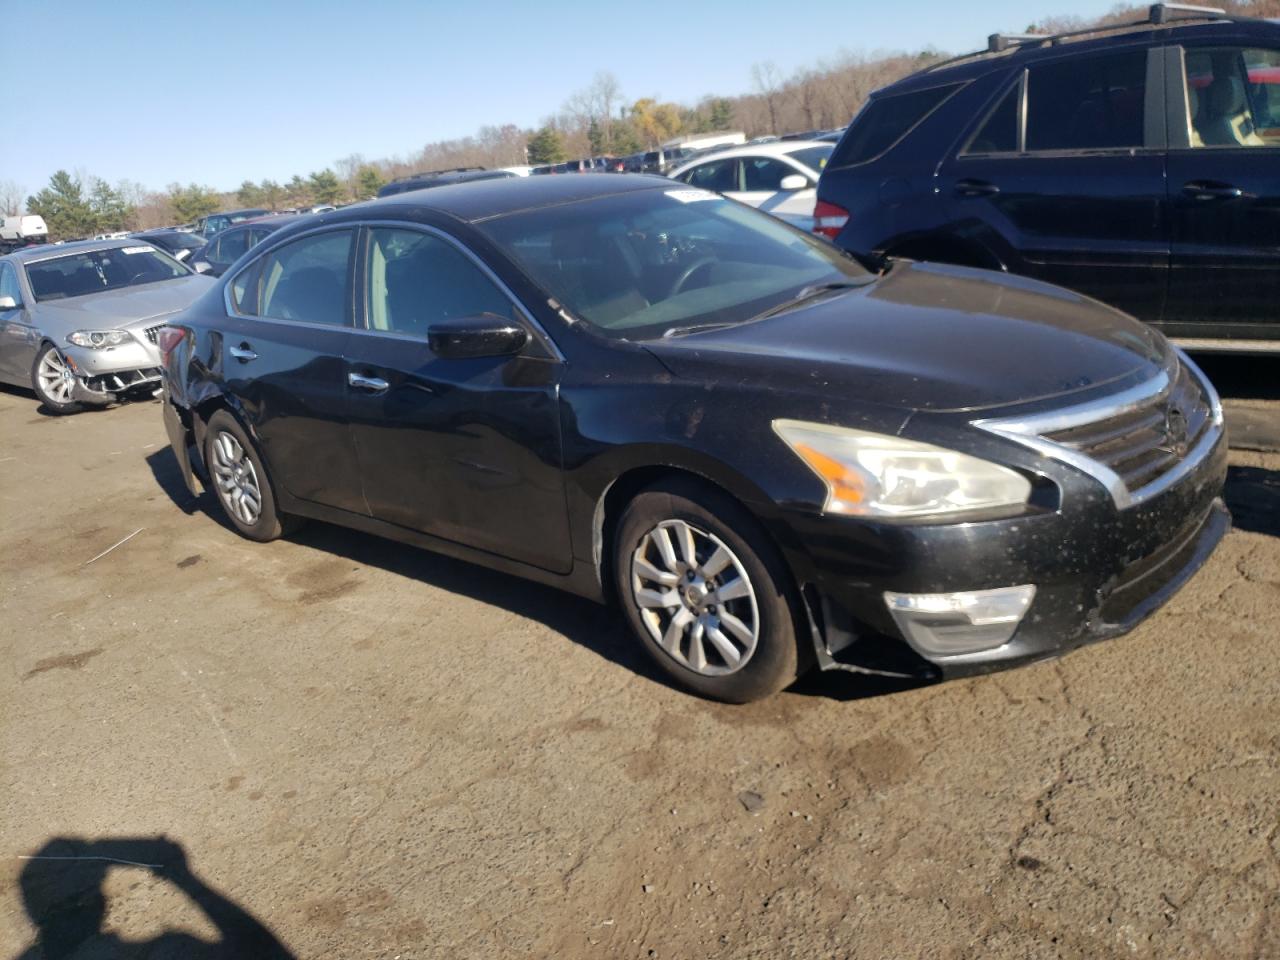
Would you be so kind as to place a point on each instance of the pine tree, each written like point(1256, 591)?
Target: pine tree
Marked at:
point(110, 209)
point(368, 182)
point(545, 146)
point(326, 187)
point(66, 212)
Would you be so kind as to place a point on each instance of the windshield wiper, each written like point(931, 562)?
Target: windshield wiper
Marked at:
point(811, 292)
point(699, 328)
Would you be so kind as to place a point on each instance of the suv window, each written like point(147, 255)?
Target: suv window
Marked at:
point(306, 280)
point(416, 279)
point(1233, 97)
point(886, 120)
point(718, 175)
point(231, 245)
point(1094, 103)
point(999, 134)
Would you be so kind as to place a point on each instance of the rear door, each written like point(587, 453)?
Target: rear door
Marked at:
point(283, 356)
point(1064, 177)
point(467, 450)
point(1224, 191)
point(760, 185)
point(18, 341)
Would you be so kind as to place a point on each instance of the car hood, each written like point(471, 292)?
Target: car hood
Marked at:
point(123, 307)
point(930, 337)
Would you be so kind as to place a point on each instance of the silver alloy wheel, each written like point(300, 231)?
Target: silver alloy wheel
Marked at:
point(235, 478)
point(695, 598)
point(55, 376)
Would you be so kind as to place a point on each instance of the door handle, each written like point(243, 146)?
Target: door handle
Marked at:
point(1211, 190)
point(243, 353)
point(370, 384)
point(976, 188)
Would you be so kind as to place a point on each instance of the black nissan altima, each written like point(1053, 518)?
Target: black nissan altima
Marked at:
point(769, 457)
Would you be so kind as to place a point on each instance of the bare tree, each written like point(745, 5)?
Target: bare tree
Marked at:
point(765, 77)
point(12, 197)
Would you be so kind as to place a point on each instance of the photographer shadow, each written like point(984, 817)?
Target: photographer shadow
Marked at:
point(62, 888)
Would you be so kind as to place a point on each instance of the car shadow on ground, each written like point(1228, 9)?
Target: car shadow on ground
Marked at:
point(64, 893)
point(1253, 497)
point(584, 622)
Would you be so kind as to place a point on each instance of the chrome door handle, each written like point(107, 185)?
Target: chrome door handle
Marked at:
point(1211, 190)
point(976, 188)
point(371, 384)
point(243, 353)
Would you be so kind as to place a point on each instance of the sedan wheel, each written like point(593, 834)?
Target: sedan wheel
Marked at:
point(695, 598)
point(707, 593)
point(54, 381)
point(235, 479)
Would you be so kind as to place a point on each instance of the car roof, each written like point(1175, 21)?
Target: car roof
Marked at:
point(47, 251)
point(235, 213)
point(979, 63)
point(485, 199)
point(276, 220)
point(775, 148)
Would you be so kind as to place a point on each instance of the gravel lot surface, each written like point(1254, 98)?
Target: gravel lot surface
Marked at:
point(376, 752)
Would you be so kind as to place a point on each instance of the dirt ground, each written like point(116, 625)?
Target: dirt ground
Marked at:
point(351, 748)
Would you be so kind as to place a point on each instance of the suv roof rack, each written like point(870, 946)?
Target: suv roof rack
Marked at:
point(1158, 14)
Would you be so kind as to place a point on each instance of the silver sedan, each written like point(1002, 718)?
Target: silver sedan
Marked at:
point(78, 321)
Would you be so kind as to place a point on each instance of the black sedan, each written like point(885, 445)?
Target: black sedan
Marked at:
point(179, 244)
point(770, 457)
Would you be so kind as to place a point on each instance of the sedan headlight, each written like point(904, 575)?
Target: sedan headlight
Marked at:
point(99, 339)
point(873, 475)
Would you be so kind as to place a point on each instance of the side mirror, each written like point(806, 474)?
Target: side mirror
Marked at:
point(201, 266)
point(8, 303)
point(481, 335)
point(793, 182)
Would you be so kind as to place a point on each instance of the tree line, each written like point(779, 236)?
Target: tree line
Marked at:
point(596, 120)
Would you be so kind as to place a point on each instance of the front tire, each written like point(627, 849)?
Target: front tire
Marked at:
point(53, 380)
point(240, 481)
point(706, 593)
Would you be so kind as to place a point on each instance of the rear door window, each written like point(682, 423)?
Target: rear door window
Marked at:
point(886, 120)
point(308, 281)
point(1093, 103)
point(718, 175)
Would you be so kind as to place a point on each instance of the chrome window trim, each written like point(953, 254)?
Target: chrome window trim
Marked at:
point(1027, 431)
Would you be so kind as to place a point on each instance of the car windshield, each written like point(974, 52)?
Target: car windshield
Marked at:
point(80, 274)
point(649, 263)
point(815, 158)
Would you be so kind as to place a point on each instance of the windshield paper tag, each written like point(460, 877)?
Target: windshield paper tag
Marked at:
point(690, 196)
point(135, 249)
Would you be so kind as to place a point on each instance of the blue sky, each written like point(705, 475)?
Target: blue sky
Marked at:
point(224, 90)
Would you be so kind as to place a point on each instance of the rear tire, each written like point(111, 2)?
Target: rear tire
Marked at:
point(706, 592)
point(52, 379)
point(240, 481)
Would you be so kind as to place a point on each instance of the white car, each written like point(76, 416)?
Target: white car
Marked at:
point(779, 178)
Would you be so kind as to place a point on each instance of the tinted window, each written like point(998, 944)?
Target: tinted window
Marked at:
point(307, 280)
point(232, 246)
point(815, 158)
point(1087, 104)
point(885, 121)
point(638, 264)
point(999, 134)
point(718, 175)
point(764, 173)
point(416, 279)
point(1233, 97)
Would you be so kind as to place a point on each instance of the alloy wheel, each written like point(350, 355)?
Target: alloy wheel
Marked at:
point(236, 479)
point(695, 598)
point(56, 378)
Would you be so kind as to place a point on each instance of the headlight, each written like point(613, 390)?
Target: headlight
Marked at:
point(98, 339)
point(872, 475)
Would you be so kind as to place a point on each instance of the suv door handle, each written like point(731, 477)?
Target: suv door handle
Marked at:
point(976, 188)
point(370, 384)
point(243, 353)
point(1211, 190)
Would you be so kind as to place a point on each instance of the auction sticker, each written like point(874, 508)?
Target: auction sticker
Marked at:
point(136, 249)
point(690, 196)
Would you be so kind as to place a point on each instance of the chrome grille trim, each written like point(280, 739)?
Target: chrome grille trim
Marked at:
point(1044, 434)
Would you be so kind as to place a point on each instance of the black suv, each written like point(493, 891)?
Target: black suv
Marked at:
point(1139, 164)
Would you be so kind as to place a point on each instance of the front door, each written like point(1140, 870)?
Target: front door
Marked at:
point(467, 450)
point(1224, 193)
point(284, 359)
point(1065, 176)
point(18, 340)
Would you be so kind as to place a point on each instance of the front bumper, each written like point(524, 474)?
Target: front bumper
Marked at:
point(1098, 572)
point(102, 376)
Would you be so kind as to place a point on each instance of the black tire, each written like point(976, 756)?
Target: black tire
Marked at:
point(270, 523)
point(778, 658)
point(51, 403)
